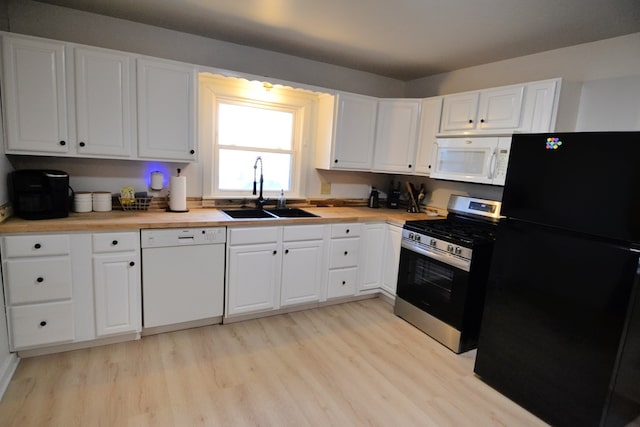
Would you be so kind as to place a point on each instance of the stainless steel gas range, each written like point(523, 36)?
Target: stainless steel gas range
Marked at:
point(444, 266)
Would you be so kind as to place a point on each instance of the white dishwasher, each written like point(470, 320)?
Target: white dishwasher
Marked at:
point(182, 278)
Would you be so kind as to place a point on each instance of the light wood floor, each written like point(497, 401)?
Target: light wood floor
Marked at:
point(352, 364)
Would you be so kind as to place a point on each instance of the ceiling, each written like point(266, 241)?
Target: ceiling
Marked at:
point(402, 39)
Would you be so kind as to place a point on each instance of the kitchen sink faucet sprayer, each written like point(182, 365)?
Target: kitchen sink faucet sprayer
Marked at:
point(260, 201)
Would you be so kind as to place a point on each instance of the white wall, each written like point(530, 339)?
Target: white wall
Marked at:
point(605, 74)
point(44, 20)
point(605, 59)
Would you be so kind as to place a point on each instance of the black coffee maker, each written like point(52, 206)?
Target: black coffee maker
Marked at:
point(39, 193)
point(393, 196)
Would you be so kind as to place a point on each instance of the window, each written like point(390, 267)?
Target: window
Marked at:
point(241, 120)
point(246, 131)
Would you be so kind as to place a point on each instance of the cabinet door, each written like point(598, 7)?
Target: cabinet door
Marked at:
point(253, 278)
point(396, 135)
point(355, 127)
point(166, 110)
point(301, 272)
point(103, 102)
point(429, 125)
point(117, 293)
point(500, 108)
point(539, 107)
point(372, 256)
point(459, 112)
point(391, 257)
point(35, 98)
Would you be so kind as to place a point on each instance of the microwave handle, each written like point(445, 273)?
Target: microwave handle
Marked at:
point(492, 164)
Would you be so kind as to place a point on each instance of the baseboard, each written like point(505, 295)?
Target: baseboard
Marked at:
point(7, 370)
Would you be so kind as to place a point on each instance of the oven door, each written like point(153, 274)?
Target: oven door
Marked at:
point(433, 286)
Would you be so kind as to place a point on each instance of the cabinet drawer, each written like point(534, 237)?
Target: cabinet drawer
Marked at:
point(344, 253)
point(251, 235)
point(346, 230)
point(33, 325)
point(36, 245)
point(115, 242)
point(36, 280)
point(342, 282)
point(294, 233)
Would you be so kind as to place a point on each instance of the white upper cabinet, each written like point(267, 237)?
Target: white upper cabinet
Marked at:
point(540, 106)
point(35, 96)
point(396, 135)
point(103, 102)
point(429, 124)
point(528, 107)
point(166, 110)
point(69, 100)
point(346, 131)
point(487, 111)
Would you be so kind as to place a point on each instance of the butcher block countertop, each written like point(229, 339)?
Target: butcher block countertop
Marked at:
point(200, 217)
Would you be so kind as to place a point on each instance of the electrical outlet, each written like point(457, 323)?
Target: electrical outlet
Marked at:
point(325, 188)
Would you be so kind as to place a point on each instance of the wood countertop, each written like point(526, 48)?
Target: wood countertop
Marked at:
point(200, 217)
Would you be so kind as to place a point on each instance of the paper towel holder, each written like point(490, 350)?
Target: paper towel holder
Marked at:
point(170, 195)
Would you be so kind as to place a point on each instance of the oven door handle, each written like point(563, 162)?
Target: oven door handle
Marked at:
point(444, 257)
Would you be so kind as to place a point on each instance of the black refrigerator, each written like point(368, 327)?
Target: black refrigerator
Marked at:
point(560, 332)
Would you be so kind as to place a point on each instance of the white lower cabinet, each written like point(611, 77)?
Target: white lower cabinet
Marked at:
point(41, 324)
point(117, 294)
point(273, 267)
point(70, 288)
point(302, 264)
point(253, 273)
point(372, 256)
point(344, 259)
point(380, 258)
point(391, 259)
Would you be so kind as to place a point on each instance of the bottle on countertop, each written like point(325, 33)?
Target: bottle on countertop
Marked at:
point(374, 198)
point(282, 202)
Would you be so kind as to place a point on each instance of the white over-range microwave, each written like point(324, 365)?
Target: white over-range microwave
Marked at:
point(482, 160)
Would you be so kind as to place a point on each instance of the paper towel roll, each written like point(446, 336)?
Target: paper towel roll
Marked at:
point(178, 193)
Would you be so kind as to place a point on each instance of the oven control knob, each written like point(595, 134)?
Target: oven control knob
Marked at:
point(433, 243)
point(449, 248)
point(411, 236)
point(417, 239)
point(458, 250)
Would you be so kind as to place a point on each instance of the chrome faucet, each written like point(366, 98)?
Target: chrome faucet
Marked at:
point(260, 201)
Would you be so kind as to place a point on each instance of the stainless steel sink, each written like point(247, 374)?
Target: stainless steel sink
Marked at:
point(248, 213)
point(268, 213)
point(291, 213)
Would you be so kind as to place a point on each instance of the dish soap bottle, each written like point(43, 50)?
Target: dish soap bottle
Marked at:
point(282, 203)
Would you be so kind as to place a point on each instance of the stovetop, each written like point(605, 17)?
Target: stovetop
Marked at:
point(470, 222)
point(455, 229)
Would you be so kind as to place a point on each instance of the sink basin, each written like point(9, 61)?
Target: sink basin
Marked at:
point(291, 213)
point(247, 213)
point(267, 213)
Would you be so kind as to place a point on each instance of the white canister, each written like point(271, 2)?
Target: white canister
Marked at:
point(82, 202)
point(101, 201)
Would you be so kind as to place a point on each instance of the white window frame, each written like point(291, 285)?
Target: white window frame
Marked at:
point(214, 90)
